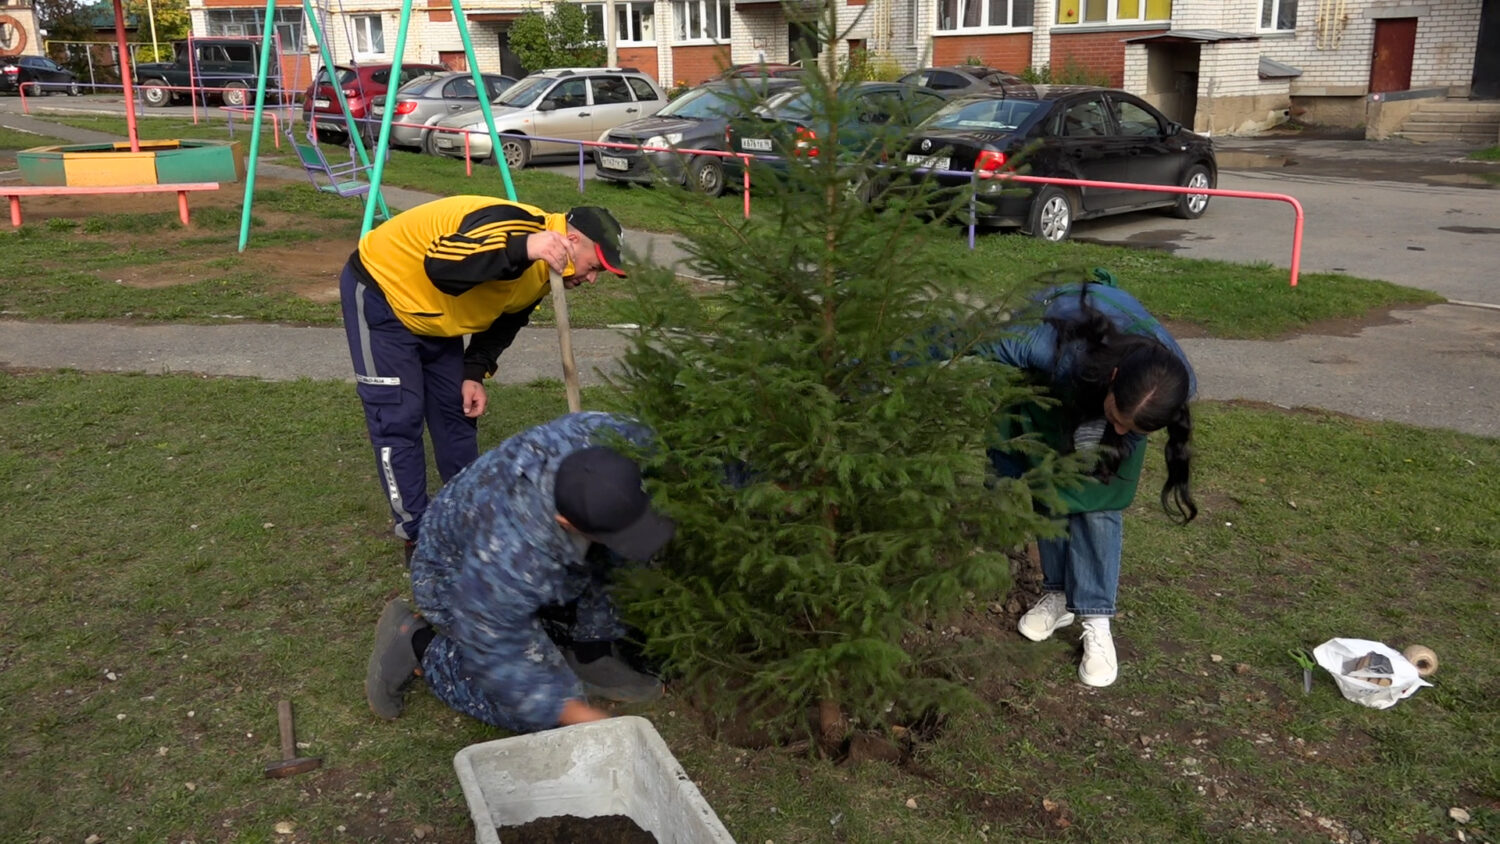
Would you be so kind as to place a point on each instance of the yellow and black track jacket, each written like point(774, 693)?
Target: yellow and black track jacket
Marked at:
point(458, 266)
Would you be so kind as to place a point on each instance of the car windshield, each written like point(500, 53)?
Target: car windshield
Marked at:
point(346, 76)
point(702, 104)
point(795, 103)
point(525, 92)
point(982, 115)
point(420, 82)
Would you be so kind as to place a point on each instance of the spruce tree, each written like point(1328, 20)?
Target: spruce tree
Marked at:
point(820, 439)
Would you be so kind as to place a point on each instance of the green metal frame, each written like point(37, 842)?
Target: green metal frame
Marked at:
point(375, 199)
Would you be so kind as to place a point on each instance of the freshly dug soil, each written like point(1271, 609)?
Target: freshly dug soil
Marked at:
point(567, 829)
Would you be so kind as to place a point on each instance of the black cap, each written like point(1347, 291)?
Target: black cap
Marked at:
point(604, 230)
point(599, 491)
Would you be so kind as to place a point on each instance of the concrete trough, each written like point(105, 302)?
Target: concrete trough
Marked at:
point(618, 766)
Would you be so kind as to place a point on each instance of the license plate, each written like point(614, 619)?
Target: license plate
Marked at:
point(928, 162)
point(610, 162)
point(379, 109)
point(757, 144)
point(321, 103)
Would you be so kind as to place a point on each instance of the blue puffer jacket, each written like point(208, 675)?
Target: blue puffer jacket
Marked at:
point(491, 555)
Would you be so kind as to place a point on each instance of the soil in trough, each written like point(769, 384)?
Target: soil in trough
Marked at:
point(567, 829)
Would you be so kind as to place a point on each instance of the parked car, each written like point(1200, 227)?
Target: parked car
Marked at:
point(786, 127)
point(957, 80)
point(775, 70)
point(1070, 132)
point(39, 74)
point(567, 104)
point(427, 99)
point(695, 120)
point(360, 84)
point(225, 66)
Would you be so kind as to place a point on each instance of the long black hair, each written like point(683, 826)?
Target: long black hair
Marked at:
point(1151, 387)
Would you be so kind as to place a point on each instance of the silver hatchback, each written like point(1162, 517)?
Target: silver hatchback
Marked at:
point(548, 110)
point(427, 99)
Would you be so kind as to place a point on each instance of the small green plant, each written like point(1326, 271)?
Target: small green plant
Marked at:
point(1072, 72)
point(864, 66)
point(60, 224)
point(1486, 154)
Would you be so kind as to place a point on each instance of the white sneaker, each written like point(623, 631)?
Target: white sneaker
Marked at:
point(1046, 616)
point(1099, 666)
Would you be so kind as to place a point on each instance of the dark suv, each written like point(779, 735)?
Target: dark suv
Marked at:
point(361, 84)
point(227, 66)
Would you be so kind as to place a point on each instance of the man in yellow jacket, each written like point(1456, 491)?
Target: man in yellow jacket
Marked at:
point(463, 265)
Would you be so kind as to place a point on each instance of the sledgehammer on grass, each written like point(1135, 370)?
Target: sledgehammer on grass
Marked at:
point(290, 764)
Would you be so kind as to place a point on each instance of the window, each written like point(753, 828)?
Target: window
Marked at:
point(635, 23)
point(609, 90)
point(1085, 120)
point(1278, 15)
point(369, 34)
point(643, 90)
point(1135, 121)
point(570, 93)
point(461, 88)
point(248, 22)
point(984, 14)
point(701, 20)
point(593, 14)
point(1113, 11)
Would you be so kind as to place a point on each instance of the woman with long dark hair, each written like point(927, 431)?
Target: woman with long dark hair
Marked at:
point(1116, 375)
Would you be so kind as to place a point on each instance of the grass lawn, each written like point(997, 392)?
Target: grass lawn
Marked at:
point(1486, 154)
point(183, 552)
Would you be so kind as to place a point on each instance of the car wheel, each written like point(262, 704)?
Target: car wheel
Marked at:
point(517, 152)
point(155, 93)
point(1190, 206)
point(33, 89)
point(429, 143)
point(235, 94)
point(1051, 214)
point(706, 175)
point(74, 89)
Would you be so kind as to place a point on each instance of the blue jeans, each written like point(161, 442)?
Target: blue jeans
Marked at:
point(1084, 564)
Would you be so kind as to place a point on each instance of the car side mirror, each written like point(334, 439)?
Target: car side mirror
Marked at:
point(546, 105)
point(1173, 128)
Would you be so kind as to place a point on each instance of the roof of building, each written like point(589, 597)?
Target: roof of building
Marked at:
point(1192, 36)
point(1272, 69)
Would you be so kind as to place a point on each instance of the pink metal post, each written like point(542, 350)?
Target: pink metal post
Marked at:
point(745, 161)
point(182, 210)
point(1236, 194)
point(135, 137)
point(468, 162)
point(21, 91)
point(15, 211)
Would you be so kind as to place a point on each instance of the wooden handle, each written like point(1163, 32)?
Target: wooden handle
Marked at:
point(565, 344)
point(284, 719)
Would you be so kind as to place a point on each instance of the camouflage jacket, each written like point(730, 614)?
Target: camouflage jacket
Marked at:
point(491, 555)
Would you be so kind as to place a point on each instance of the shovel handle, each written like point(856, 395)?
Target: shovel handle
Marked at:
point(284, 720)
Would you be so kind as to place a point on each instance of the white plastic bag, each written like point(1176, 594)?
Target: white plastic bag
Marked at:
point(1336, 655)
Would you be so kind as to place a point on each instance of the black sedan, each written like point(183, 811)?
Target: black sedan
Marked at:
point(695, 120)
point(1069, 132)
point(39, 74)
point(957, 80)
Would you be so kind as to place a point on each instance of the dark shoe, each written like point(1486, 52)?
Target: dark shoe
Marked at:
point(393, 664)
point(608, 677)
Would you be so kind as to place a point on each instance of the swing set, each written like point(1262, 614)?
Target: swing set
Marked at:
point(361, 175)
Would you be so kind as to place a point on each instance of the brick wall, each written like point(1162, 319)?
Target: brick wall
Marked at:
point(1446, 38)
point(1008, 52)
point(1229, 69)
point(695, 64)
point(640, 58)
point(758, 29)
point(1100, 52)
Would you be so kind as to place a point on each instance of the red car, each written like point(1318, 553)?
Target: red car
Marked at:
point(361, 85)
